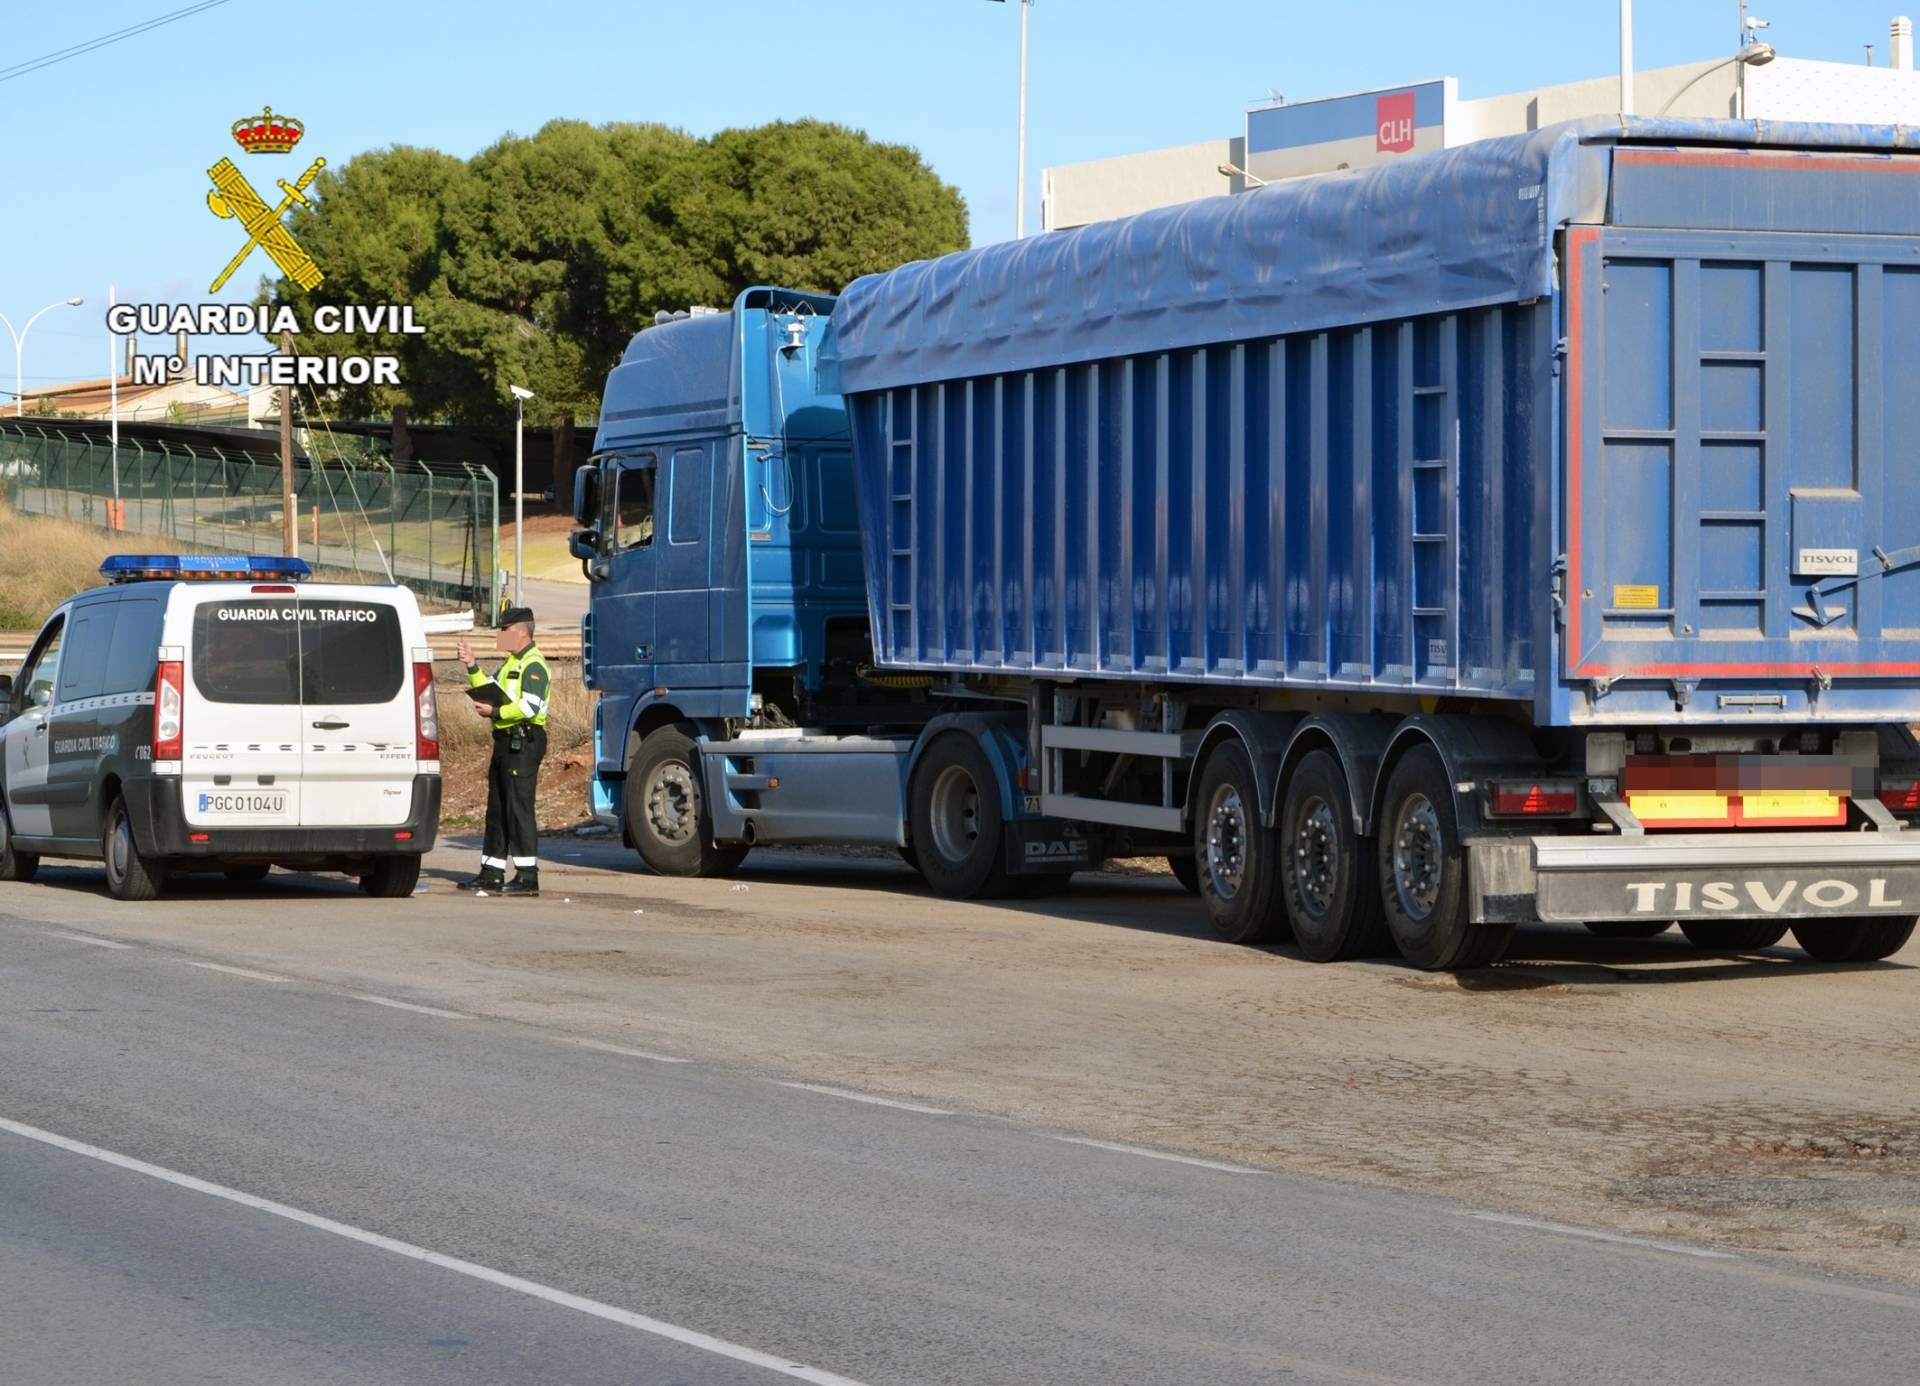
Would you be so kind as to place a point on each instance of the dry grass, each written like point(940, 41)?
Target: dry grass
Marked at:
point(45, 560)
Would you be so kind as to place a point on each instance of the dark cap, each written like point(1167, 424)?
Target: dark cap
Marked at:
point(517, 616)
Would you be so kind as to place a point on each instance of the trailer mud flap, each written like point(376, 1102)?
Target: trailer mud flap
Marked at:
point(1046, 846)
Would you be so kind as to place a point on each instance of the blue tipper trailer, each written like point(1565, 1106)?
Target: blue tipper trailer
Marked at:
point(1529, 530)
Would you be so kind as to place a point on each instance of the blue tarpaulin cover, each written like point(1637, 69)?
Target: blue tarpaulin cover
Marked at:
point(1460, 228)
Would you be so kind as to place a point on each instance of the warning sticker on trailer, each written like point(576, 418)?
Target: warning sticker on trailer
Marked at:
point(1635, 597)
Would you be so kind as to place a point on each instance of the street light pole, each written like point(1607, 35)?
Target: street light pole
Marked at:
point(1020, 200)
point(520, 398)
point(19, 347)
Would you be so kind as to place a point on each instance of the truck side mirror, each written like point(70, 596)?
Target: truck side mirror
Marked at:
point(583, 544)
point(586, 495)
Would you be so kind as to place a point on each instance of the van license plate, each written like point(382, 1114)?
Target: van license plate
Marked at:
point(262, 803)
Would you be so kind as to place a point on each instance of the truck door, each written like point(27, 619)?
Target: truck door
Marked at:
point(625, 606)
point(26, 734)
point(1740, 408)
point(356, 714)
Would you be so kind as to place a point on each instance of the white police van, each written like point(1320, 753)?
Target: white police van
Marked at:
point(223, 714)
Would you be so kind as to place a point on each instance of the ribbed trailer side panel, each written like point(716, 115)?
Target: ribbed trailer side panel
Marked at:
point(1363, 508)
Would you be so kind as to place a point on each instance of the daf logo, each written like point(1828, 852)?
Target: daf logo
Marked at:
point(1678, 897)
point(1056, 850)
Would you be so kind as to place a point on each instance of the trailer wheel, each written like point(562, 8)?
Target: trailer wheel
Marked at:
point(958, 837)
point(1423, 872)
point(1236, 858)
point(1325, 869)
point(1629, 928)
point(1867, 939)
point(1732, 935)
point(667, 815)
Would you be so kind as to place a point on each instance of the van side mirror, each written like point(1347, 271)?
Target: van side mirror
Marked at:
point(586, 495)
point(6, 697)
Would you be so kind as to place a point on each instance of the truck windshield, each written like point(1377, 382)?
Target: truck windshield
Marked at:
point(328, 652)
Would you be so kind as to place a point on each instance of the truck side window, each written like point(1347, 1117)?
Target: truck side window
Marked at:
point(42, 668)
point(633, 507)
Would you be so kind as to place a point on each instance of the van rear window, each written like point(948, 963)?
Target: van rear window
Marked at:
point(325, 652)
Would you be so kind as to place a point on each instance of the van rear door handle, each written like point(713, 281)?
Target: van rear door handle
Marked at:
point(331, 726)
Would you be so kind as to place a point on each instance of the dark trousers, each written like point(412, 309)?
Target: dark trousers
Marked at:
point(513, 777)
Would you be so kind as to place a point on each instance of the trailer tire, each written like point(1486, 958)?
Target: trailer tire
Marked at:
point(959, 838)
point(1326, 869)
point(1862, 939)
point(1236, 857)
point(14, 865)
point(1732, 935)
point(1629, 928)
point(1186, 870)
point(1423, 872)
point(666, 808)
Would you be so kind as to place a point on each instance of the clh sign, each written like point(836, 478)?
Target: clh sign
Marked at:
point(1393, 123)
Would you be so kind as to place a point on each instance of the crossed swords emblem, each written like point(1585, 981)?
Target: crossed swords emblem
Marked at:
point(233, 196)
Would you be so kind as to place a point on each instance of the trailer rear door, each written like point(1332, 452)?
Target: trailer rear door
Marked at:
point(1742, 495)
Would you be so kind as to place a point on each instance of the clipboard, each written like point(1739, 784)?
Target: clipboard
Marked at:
point(491, 694)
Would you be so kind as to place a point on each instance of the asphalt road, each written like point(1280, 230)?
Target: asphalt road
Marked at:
point(606, 1208)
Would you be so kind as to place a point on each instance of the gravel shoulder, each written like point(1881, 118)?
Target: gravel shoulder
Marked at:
point(1758, 1102)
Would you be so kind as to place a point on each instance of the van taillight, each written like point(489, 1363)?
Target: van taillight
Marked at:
point(426, 714)
point(169, 710)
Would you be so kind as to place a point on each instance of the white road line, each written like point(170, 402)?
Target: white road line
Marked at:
point(853, 1096)
point(86, 938)
point(409, 1006)
point(622, 1049)
point(659, 1328)
point(1220, 1165)
point(235, 971)
point(1595, 1235)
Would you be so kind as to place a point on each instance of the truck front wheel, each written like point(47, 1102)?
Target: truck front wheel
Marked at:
point(1237, 858)
point(1867, 939)
point(959, 839)
point(667, 814)
point(1423, 872)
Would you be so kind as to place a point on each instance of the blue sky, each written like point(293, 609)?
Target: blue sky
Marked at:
point(107, 154)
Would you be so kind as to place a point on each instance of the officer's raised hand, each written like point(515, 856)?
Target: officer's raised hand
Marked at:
point(465, 651)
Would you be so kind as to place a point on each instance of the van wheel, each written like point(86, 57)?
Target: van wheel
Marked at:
point(1866, 939)
point(1423, 872)
point(251, 874)
point(1732, 935)
point(1629, 928)
point(1186, 870)
point(392, 877)
point(130, 876)
point(1236, 859)
point(1326, 870)
point(14, 866)
point(958, 836)
point(667, 815)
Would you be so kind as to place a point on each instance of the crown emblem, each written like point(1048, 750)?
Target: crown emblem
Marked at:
point(267, 133)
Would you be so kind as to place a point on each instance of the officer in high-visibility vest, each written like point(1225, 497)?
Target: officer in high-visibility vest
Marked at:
point(515, 701)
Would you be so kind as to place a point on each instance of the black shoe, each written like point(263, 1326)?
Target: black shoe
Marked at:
point(486, 880)
point(525, 885)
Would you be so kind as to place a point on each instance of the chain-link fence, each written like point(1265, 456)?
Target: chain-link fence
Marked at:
point(432, 526)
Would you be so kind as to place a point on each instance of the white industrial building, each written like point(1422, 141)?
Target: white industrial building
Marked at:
point(1363, 128)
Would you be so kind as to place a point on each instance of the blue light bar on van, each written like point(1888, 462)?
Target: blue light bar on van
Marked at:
point(150, 567)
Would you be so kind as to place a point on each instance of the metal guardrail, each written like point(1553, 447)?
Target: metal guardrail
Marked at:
point(434, 527)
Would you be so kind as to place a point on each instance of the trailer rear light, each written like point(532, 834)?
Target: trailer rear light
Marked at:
point(426, 714)
point(1901, 796)
point(1535, 799)
point(169, 710)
